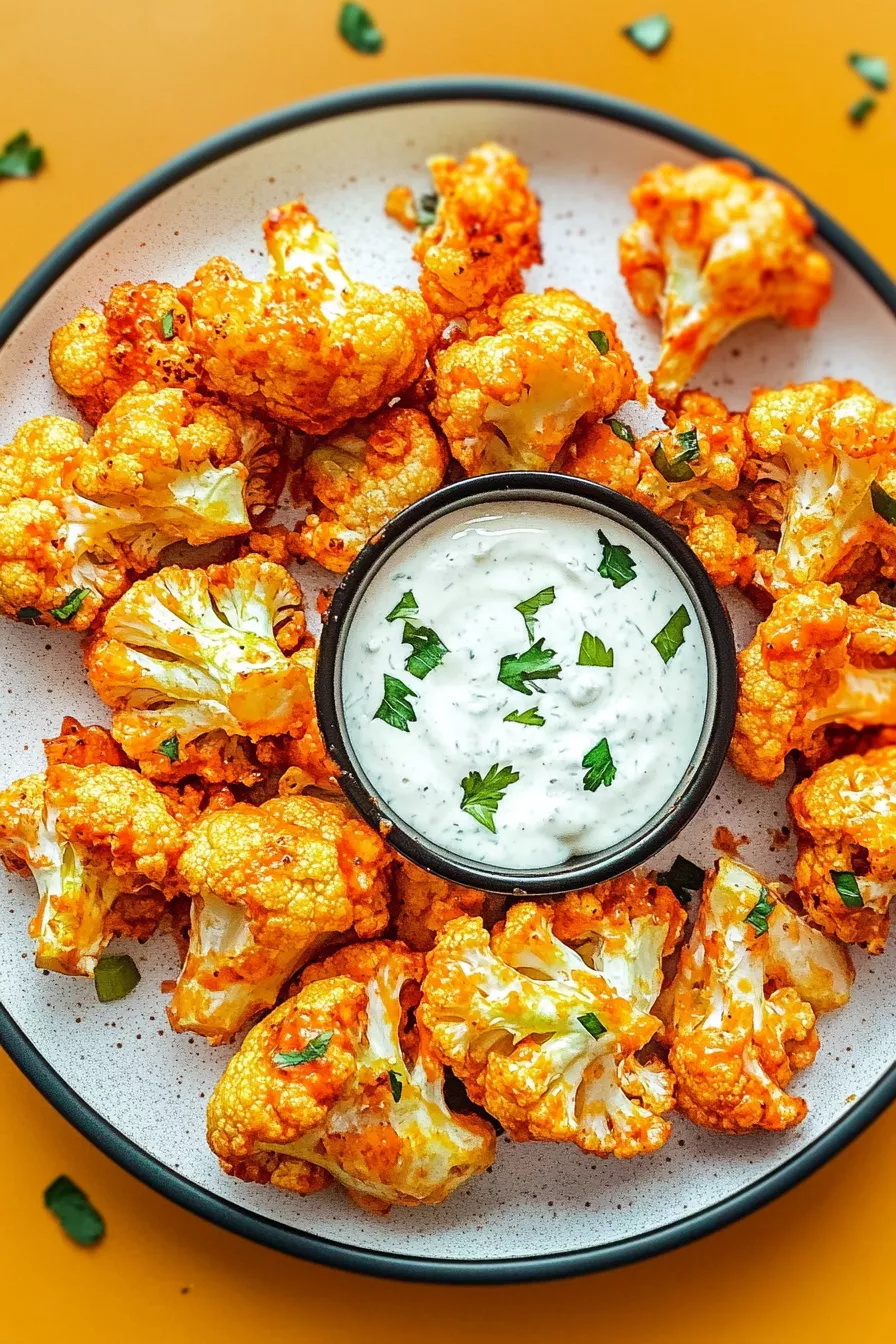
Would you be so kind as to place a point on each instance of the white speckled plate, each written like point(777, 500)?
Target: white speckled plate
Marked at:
point(117, 1072)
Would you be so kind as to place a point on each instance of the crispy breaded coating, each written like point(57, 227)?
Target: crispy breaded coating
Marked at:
point(307, 346)
point(711, 248)
point(361, 477)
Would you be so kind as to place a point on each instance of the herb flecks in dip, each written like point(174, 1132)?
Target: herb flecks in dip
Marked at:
point(525, 683)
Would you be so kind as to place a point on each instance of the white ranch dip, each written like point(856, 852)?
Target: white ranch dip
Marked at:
point(465, 574)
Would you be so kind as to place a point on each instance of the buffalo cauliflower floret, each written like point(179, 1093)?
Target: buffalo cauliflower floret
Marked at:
point(425, 903)
point(713, 247)
point(190, 653)
point(484, 235)
point(306, 345)
point(141, 336)
point(814, 663)
point(510, 401)
point(744, 1003)
point(270, 886)
point(819, 451)
point(90, 836)
point(362, 477)
point(546, 1037)
point(845, 817)
point(303, 759)
point(78, 517)
point(336, 1084)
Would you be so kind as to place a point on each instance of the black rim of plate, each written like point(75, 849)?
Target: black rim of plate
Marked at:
point(718, 722)
point(106, 1137)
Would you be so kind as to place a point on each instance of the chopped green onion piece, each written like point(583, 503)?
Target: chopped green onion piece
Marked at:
point(861, 109)
point(77, 1216)
point(883, 503)
point(115, 978)
point(847, 889)
point(396, 708)
point(621, 430)
point(593, 652)
point(671, 637)
point(20, 158)
point(427, 209)
point(396, 1085)
point(170, 748)
point(168, 324)
point(71, 606)
point(616, 563)
point(758, 916)
point(599, 766)
point(357, 28)
point(315, 1049)
point(593, 1025)
point(405, 607)
point(650, 34)
point(601, 340)
point(875, 70)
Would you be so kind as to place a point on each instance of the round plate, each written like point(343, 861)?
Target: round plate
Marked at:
point(117, 1071)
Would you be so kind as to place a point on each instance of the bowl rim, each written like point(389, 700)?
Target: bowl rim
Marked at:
point(128, 1154)
point(721, 691)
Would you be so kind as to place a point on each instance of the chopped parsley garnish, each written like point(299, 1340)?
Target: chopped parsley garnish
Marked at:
point(682, 878)
point(404, 608)
point(593, 1025)
point(518, 670)
point(601, 340)
point(650, 34)
point(170, 747)
point(861, 108)
point(621, 430)
point(883, 503)
point(71, 606)
point(530, 717)
point(616, 563)
point(531, 607)
point(30, 615)
point(593, 652)
point(675, 468)
point(427, 209)
point(427, 650)
point(482, 796)
point(758, 916)
point(115, 978)
point(599, 766)
point(396, 1085)
point(671, 637)
point(77, 1216)
point(168, 324)
point(315, 1049)
point(396, 708)
point(847, 888)
point(357, 28)
point(20, 158)
point(873, 69)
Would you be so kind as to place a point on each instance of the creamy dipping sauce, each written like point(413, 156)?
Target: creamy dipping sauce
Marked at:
point(597, 748)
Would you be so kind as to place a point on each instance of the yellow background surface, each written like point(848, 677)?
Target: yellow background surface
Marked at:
point(112, 90)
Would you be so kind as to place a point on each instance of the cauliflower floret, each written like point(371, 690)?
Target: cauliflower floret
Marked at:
point(744, 1003)
point(270, 886)
point(824, 447)
point(303, 759)
point(845, 817)
point(424, 904)
point(713, 247)
point(335, 1084)
point(77, 518)
point(687, 474)
point(189, 653)
point(363, 476)
point(510, 401)
point(90, 835)
point(814, 663)
point(141, 336)
point(484, 235)
point(306, 345)
point(545, 1037)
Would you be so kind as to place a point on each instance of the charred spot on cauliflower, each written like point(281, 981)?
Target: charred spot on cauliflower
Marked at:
point(711, 248)
point(337, 1085)
point(750, 983)
point(360, 478)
